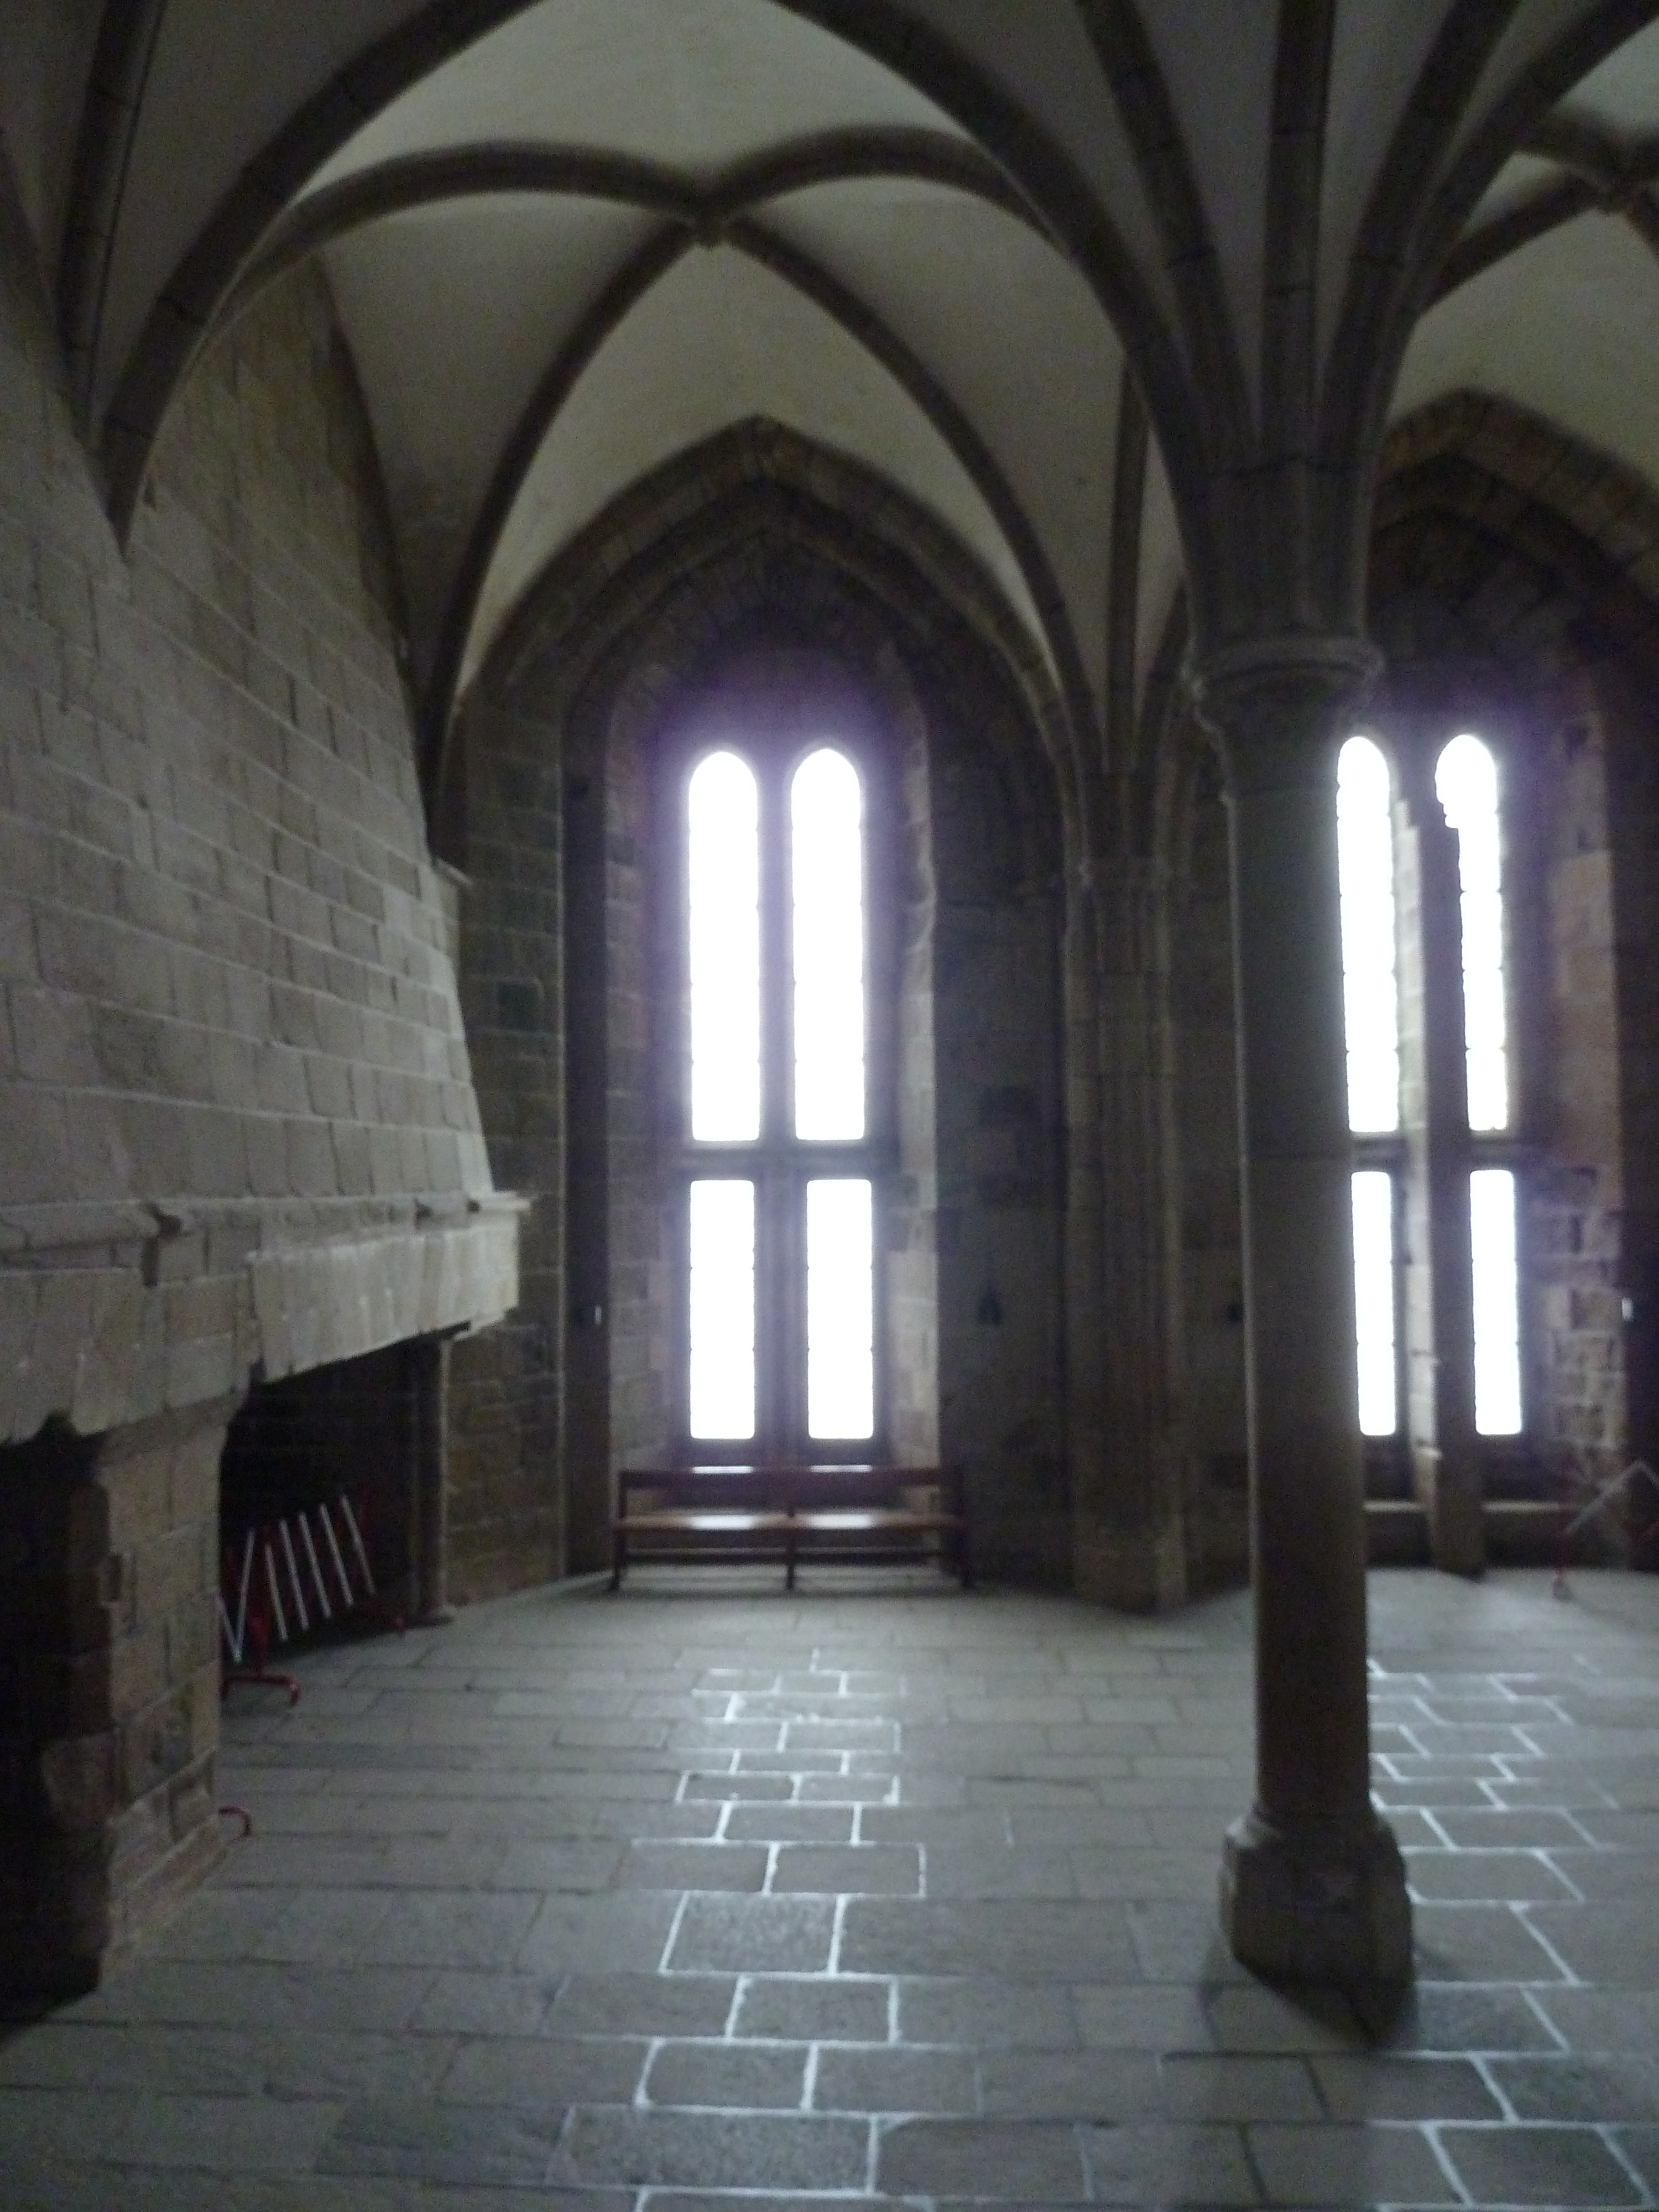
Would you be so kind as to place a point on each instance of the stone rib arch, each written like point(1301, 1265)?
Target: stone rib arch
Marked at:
point(186, 308)
point(756, 477)
point(1572, 526)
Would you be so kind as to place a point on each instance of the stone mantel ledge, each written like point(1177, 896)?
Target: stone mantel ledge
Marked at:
point(149, 1310)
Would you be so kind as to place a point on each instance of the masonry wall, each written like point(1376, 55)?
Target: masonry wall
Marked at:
point(506, 1523)
point(996, 1039)
point(1576, 1217)
point(237, 1122)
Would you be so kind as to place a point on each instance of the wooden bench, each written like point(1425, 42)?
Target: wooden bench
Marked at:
point(852, 1516)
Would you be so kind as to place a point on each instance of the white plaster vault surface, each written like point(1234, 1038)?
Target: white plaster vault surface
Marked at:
point(704, 1897)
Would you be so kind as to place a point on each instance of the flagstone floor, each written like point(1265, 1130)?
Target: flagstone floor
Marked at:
point(704, 1897)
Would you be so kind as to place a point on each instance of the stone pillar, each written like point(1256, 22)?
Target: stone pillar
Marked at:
point(1129, 1543)
point(1313, 1887)
point(109, 1690)
point(428, 1363)
point(1434, 1113)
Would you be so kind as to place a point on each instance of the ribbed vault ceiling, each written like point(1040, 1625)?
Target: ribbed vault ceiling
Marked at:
point(572, 238)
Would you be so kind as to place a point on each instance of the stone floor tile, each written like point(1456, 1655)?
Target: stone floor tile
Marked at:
point(642, 2004)
point(542, 2071)
point(1536, 1827)
point(1451, 2016)
point(450, 1929)
point(894, 2078)
point(987, 2015)
point(1033, 1939)
point(810, 2008)
point(1492, 1876)
point(1257, 2019)
point(1609, 1876)
point(1486, 1944)
point(616, 1933)
point(423, 2139)
point(1601, 2086)
point(1027, 2164)
point(326, 1927)
point(1323, 2167)
point(609, 2144)
point(999, 1870)
point(767, 2076)
point(1162, 2163)
point(1221, 2086)
point(61, 2054)
point(863, 1870)
point(1615, 1945)
point(693, 1866)
point(1178, 1941)
point(64, 2127)
point(757, 1935)
point(793, 1824)
point(1133, 2016)
point(477, 2004)
point(1555, 2166)
point(1639, 2147)
point(1375, 2087)
point(579, 1863)
point(251, 1993)
point(1069, 2084)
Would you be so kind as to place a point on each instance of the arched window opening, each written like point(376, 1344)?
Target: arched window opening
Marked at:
point(722, 1310)
point(826, 847)
point(723, 950)
point(1466, 779)
point(1371, 1011)
point(1370, 996)
point(779, 1286)
point(1497, 1302)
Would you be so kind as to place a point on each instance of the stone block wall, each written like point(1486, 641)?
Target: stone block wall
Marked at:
point(109, 1689)
point(506, 1509)
point(238, 1127)
point(1574, 1224)
point(997, 1001)
point(229, 1026)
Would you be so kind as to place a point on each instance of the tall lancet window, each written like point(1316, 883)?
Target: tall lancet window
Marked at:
point(1466, 779)
point(1370, 1006)
point(779, 1280)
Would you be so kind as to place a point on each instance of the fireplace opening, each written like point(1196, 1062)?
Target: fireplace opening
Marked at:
point(330, 1515)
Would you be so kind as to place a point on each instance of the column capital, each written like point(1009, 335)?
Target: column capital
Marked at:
point(1277, 694)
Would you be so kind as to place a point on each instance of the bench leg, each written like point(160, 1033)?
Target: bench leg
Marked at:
point(618, 1557)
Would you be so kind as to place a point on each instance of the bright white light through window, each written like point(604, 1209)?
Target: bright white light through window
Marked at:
point(1364, 836)
point(722, 1310)
point(1467, 782)
point(1497, 1302)
point(1373, 1285)
point(723, 922)
point(826, 817)
point(841, 1368)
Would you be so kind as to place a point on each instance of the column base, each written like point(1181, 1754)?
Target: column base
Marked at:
point(1316, 1909)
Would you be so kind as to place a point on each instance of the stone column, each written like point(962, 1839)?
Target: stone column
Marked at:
point(1434, 1112)
point(1312, 1884)
point(1129, 1532)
